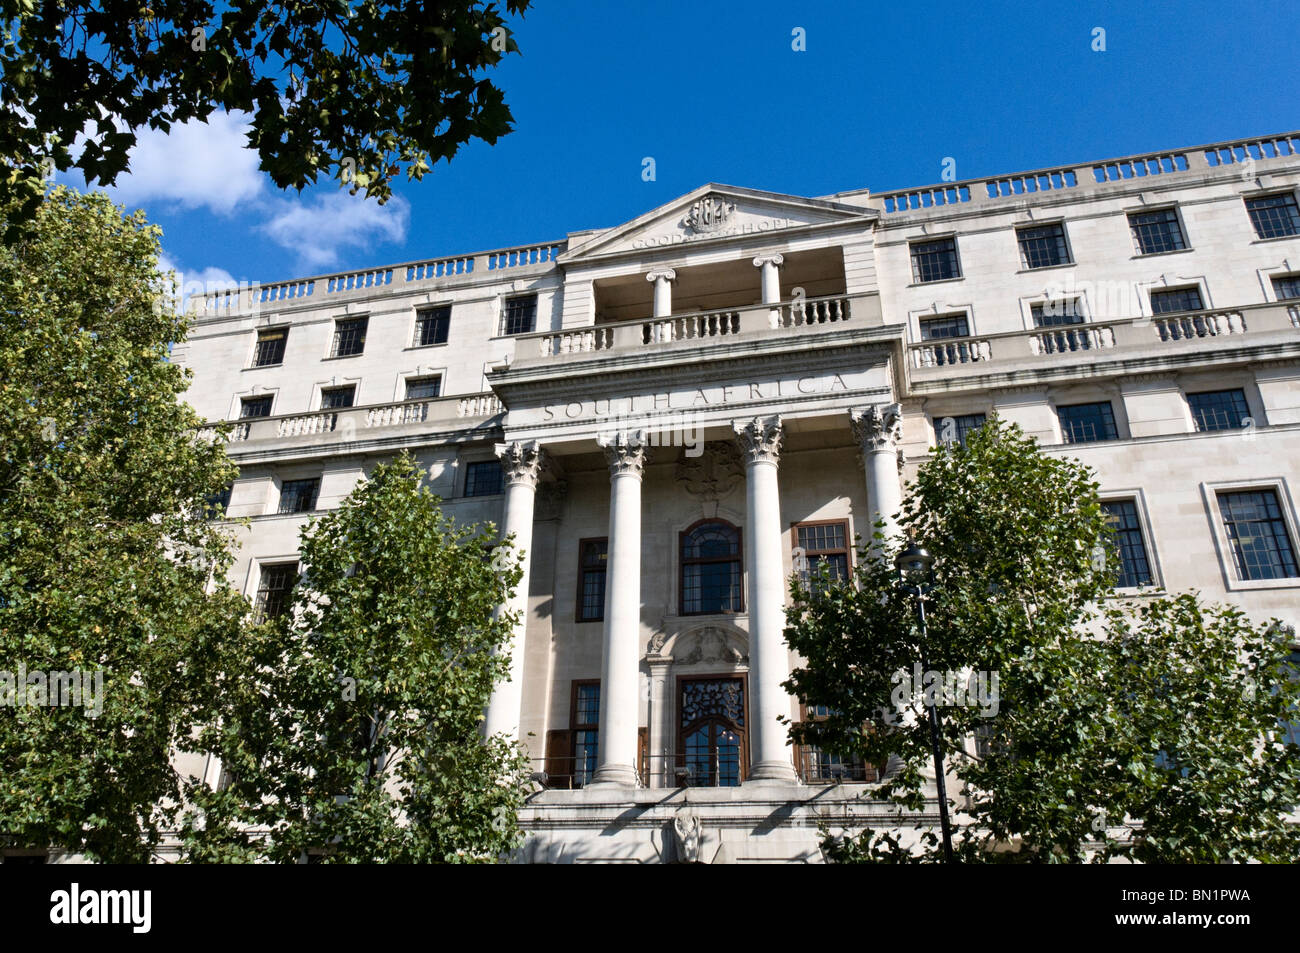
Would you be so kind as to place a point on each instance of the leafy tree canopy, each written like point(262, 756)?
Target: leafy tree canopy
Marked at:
point(354, 90)
point(107, 563)
point(1146, 729)
point(359, 737)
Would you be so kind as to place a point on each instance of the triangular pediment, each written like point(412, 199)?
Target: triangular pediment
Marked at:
point(714, 213)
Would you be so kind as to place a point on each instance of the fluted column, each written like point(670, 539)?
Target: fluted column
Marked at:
point(662, 280)
point(769, 660)
point(522, 463)
point(619, 696)
point(771, 265)
point(879, 430)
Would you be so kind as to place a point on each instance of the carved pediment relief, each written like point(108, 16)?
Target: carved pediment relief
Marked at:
point(704, 645)
point(715, 211)
point(713, 474)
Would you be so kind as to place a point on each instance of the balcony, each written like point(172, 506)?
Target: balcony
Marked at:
point(1251, 330)
point(796, 317)
point(376, 422)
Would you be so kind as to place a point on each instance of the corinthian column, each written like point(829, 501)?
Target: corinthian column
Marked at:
point(879, 430)
point(619, 706)
point(769, 660)
point(521, 462)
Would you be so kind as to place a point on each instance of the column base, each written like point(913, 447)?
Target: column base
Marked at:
point(772, 772)
point(613, 776)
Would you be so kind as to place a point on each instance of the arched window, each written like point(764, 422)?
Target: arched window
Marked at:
point(712, 572)
point(713, 747)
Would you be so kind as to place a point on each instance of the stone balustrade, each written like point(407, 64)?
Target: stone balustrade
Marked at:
point(353, 423)
point(1094, 340)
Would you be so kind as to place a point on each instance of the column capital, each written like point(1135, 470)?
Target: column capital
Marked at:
point(761, 260)
point(625, 452)
point(667, 274)
point(878, 427)
point(759, 439)
point(522, 462)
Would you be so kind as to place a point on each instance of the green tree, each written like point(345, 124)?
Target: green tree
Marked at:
point(352, 90)
point(1143, 730)
point(107, 563)
point(359, 738)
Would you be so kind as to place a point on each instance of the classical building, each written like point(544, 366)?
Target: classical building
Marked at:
point(674, 414)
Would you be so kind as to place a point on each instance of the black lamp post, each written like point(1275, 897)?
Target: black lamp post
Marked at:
point(916, 575)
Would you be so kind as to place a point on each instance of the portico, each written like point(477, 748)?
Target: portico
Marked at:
point(681, 450)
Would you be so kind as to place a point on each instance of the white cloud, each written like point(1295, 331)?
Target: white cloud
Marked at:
point(186, 282)
point(195, 165)
point(209, 166)
point(317, 231)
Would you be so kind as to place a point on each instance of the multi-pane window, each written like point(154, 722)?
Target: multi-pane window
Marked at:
point(1286, 287)
point(1219, 409)
point(423, 387)
point(270, 347)
point(1134, 566)
point(334, 398)
point(1176, 299)
point(822, 544)
point(299, 496)
point(484, 478)
point(1084, 423)
point(1156, 231)
point(593, 558)
point(520, 315)
point(820, 766)
point(1274, 216)
point(1056, 312)
point(216, 504)
point(1256, 530)
point(954, 429)
point(586, 730)
point(711, 568)
point(711, 739)
point(275, 588)
point(1043, 246)
point(935, 261)
point(255, 406)
point(349, 337)
point(944, 326)
point(432, 325)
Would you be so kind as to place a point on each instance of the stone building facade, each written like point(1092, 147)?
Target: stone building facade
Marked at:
point(787, 362)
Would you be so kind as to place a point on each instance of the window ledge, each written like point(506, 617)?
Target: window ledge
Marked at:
point(1238, 585)
point(937, 281)
point(282, 516)
point(1160, 254)
point(343, 357)
point(262, 367)
point(1279, 238)
point(425, 347)
point(1064, 264)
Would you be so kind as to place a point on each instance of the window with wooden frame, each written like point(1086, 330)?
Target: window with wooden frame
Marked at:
point(712, 568)
point(818, 766)
point(713, 744)
point(593, 558)
point(571, 752)
point(822, 543)
point(275, 588)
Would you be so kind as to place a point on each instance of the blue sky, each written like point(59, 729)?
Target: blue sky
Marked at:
point(881, 96)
